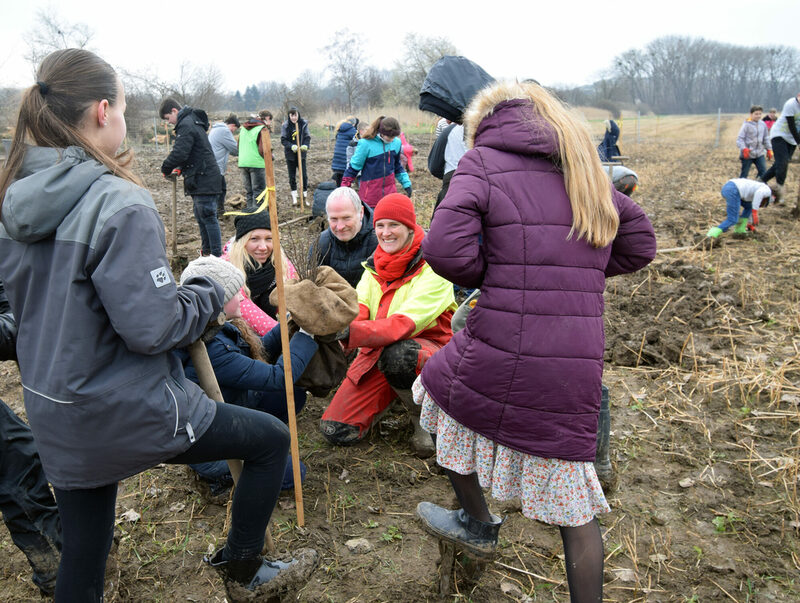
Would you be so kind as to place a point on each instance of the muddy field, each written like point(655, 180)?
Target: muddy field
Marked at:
point(704, 371)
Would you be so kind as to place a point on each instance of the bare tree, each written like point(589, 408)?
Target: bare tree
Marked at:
point(345, 56)
point(51, 33)
point(421, 52)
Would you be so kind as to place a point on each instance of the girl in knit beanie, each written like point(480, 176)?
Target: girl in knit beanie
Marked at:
point(251, 251)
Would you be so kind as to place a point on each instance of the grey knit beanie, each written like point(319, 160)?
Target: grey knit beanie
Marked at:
point(228, 276)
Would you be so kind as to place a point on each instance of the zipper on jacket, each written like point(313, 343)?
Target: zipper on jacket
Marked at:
point(177, 414)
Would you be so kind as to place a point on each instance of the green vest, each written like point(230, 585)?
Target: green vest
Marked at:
point(248, 148)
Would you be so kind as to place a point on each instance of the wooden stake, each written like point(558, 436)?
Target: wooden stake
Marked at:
point(174, 218)
point(287, 356)
point(300, 183)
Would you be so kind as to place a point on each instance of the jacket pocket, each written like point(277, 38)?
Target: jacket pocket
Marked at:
point(180, 408)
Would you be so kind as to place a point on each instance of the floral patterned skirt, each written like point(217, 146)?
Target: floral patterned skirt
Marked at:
point(555, 491)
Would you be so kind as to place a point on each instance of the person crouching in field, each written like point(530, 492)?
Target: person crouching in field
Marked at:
point(404, 318)
point(513, 399)
point(749, 195)
point(98, 315)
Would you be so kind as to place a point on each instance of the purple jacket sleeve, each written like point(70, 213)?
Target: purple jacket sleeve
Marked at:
point(452, 247)
point(635, 244)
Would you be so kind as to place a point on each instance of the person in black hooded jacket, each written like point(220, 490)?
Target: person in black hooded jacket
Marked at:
point(192, 155)
point(289, 131)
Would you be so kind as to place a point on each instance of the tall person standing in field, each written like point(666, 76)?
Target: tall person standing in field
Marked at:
point(98, 315)
point(251, 156)
point(513, 398)
point(223, 144)
point(294, 148)
point(192, 155)
point(754, 144)
point(784, 137)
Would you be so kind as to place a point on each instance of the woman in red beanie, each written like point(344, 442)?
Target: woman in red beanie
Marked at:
point(404, 317)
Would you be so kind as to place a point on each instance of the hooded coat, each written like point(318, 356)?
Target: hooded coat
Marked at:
point(289, 134)
point(526, 370)
point(344, 136)
point(83, 257)
point(192, 154)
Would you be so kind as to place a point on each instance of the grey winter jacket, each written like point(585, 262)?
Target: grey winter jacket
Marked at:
point(754, 135)
point(83, 257)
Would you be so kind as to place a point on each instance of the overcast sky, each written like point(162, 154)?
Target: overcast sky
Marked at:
point(567, 42)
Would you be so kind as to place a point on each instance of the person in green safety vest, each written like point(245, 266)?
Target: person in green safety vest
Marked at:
point(251, 156)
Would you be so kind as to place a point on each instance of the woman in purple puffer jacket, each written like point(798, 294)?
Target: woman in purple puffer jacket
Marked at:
point(513, 398)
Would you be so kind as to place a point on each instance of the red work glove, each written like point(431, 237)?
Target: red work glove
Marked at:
point(745, 153)
point(755, 217)
point(769, 154)
point(347, 181)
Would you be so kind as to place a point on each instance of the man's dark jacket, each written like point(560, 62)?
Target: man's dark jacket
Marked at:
point(346, 257)
point(192, 154)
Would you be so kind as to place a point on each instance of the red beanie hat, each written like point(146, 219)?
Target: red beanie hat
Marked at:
point(396, 207)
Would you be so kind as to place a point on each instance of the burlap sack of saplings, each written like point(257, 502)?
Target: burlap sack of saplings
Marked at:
point(323, 307)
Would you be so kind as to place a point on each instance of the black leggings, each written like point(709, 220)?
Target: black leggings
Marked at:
point(87, 516)
point(783, 153)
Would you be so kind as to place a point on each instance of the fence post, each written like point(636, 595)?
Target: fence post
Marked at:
point(719, 119)
point(638, 117)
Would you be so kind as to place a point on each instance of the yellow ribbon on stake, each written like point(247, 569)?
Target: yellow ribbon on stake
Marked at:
point(263, 207)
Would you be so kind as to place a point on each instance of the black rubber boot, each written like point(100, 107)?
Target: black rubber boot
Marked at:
point(268, 578)
point(421, 441)
point(476, 537)
point(602, 460)
point(339, 434)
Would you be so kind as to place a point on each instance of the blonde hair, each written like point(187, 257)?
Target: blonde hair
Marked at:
point(594, 215)
point(238, 256)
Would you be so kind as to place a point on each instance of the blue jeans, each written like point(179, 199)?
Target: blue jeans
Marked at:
point(87, 516)
point(205, 212)
point(761, 166)
point(734, 201)
point(254, 181)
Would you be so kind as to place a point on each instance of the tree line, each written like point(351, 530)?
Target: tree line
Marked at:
point(674, 74)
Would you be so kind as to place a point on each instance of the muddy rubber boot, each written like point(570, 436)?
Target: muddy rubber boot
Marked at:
point(778, 194)
point(741, 226)
point(339, 434)
point(475, 537)
point(714, 232)
point(294, 198)
point(259, 579)
point(602, 460)
point(421, 441)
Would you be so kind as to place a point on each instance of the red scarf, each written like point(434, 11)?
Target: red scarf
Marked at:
point(391, 266)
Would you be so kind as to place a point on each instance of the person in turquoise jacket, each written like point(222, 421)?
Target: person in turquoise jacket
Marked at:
point(377, 157)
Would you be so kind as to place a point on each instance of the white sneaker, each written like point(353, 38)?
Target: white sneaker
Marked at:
point(294, 198)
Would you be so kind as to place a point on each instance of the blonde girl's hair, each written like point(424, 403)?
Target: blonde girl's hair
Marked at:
point(52, 111)
point(594, 215)
point(239, 257)
point(349, 119)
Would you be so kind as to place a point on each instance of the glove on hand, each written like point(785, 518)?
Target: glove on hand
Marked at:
point(408, 191)
point(173, 175)
point(347, 181)
point(304, 147)
point(755, 217)
point(294, 148)
point(769, 154)
point(745, 153)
